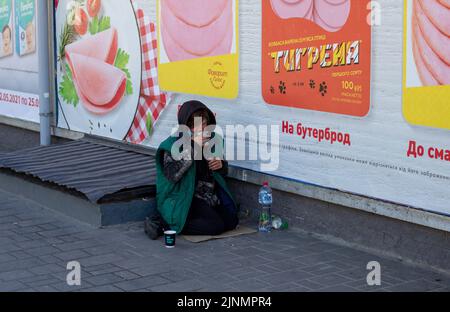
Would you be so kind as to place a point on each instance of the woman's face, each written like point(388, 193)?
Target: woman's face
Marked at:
point(198, 126)
point(6, 36)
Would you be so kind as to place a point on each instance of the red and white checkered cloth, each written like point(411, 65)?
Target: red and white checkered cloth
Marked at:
point(152, 100)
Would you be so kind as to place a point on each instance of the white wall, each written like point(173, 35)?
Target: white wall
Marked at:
point(382, 136)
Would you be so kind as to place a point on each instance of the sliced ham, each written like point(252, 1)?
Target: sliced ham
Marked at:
point(177, 53)
point(445, 3)
point(333, 13)
point(292, 8)
point(102, 46)
point(330, 15)
point(439, 42)
point(198, 13)
point(310, 15)
point(183, 40)
point(438, 68)
point(438, 14)
point(318, 20)
point(424, 74)
point(336, 2)
point(100, 85)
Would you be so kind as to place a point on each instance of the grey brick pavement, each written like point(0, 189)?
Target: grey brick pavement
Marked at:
point(36, 244)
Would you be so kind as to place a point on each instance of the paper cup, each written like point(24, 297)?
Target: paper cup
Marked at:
point(169, 238)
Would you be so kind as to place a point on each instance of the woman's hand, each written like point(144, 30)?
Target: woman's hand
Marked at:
point(215, 164)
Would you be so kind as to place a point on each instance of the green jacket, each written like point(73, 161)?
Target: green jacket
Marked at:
point(174, 199)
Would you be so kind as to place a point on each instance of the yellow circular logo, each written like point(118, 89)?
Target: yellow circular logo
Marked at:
point(217, 75)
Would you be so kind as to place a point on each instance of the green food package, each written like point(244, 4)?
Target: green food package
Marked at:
point(6, 28)
point(25, 20)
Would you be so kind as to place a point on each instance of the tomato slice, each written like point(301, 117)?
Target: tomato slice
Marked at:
point(80, 22)
point(93, 7)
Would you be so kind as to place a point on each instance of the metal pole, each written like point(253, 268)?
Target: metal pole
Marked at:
point(45, 111)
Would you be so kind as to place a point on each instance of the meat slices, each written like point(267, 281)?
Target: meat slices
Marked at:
point(437, 40)
point(431, 42)
point(198, 13)
point(196, 28)
point(99, 84)
point(333, 14)
point(102, 46)
point(438, 13)
point(330, 15)
point(292, 8)
point(424, 74)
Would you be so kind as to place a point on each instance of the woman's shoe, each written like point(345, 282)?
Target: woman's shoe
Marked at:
point(152, 228)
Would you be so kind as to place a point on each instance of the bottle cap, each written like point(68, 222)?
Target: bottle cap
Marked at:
point(265, 183)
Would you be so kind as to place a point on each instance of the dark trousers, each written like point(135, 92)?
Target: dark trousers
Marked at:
point(206, 220)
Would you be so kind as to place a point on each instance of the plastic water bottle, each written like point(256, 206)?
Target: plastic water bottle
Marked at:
point(265, 201)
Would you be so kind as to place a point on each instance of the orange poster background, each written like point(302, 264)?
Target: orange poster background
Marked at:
point(353, 99)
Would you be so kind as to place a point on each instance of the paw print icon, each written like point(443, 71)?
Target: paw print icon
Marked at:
point(282, 87)
point(323, 88)
point(312, 84)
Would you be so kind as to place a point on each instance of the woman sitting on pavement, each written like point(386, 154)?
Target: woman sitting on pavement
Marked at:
point(192, 194)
